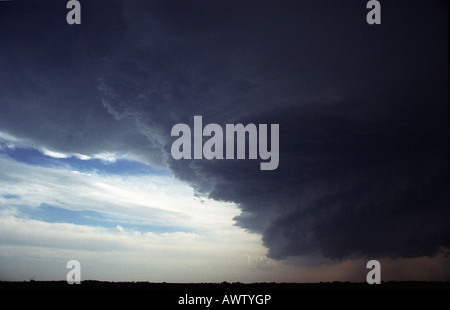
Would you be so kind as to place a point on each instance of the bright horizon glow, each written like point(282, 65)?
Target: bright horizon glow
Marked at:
point(139, 226)
point(142, 226)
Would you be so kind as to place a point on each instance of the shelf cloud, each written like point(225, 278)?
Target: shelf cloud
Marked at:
point(362, 110)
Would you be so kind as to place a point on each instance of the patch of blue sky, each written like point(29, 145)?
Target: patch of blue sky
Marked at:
point(11, 196)
point(52, 214)
point(119, 167)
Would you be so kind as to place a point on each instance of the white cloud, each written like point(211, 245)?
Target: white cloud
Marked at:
point(150, 199)
point(106, 157)
point(12, 142)
point(120, 254)
point(53, 154)
point(207, 247)
point(82, 157)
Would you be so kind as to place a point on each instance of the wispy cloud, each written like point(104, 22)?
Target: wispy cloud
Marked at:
point(145, 199)
point(145, 218)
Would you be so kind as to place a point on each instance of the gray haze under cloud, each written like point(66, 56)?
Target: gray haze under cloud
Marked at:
point(363, 110)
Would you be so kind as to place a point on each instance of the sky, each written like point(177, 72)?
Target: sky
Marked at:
point(86, 113)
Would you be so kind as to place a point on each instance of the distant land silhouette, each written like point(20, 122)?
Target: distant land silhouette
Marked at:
point(223, 286)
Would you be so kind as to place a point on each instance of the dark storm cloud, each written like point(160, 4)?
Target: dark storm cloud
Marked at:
point(362, 109)
point(50, 77)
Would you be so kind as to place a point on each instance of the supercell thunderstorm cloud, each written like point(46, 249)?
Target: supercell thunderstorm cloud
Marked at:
point(362, 109)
